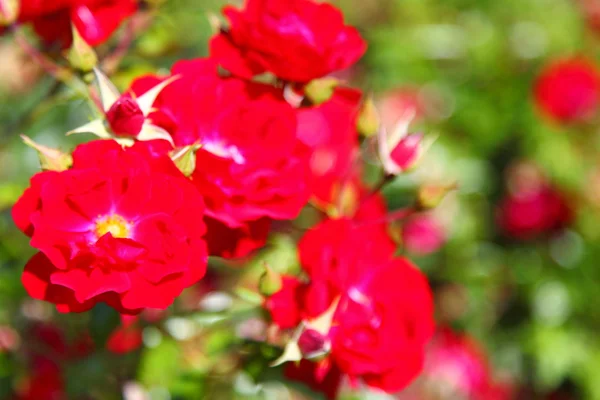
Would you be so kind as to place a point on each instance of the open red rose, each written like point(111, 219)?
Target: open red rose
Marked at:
point(336, 251)
point(383, 315)
point(122, 226)
point(382, 325)
point(251, 165)
point(568, 90)
point(329, 131)
point(95, 20)
point(297, 40)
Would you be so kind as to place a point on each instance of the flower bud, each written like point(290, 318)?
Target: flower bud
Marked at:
point(313, 344)
point(407, 151)
point(430, 196)
point(270, 282)
point(368, 120)
point(125, 117)
point(50, 159)
point(319, 91)
point(9, 12)
point(401, 151)
point(81, 55)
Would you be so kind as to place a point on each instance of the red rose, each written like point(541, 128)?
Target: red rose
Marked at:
point(458, 365)
point(297, 40)
point(382, 324)
point(384, 313)
point(125, 117)
point(530, 213)
point(336, 251)
point(329, 131)
point(251, 165)
point(95, 20)
point(122, 226)
point(568, 90)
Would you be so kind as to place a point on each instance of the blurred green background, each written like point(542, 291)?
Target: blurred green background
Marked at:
point(534, 305)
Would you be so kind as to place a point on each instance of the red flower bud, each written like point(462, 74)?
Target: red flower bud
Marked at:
point(125, 117)
point(400, 151)
point(312, 343)
point(407, 151)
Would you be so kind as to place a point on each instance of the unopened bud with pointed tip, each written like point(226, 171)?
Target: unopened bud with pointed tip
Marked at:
point(368, 119)
point(9, 12)
point(125, 117)
point(270, 282)
point(313, 344)
point(401, 151)
point(319, 91)
point(430, 196)
point(81, 55)
point(50, 159)
point(407, 151)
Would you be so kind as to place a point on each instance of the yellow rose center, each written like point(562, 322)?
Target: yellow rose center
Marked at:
point(115, 224)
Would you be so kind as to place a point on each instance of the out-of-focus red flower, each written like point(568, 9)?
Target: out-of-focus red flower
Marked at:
point(126, 337)
point(591, 10)
point(125, 117)
point(44, 383)
point(47, 349)
point(531, 213)
point(95, 20)
point(122, 226)
point(297, 40)
point(251, 165)
point(329, 131)
point(422, 234)
point(9, 339)
point(568, 90)
point(456, 368)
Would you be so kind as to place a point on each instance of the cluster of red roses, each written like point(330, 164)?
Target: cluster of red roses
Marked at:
point(200, 162)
